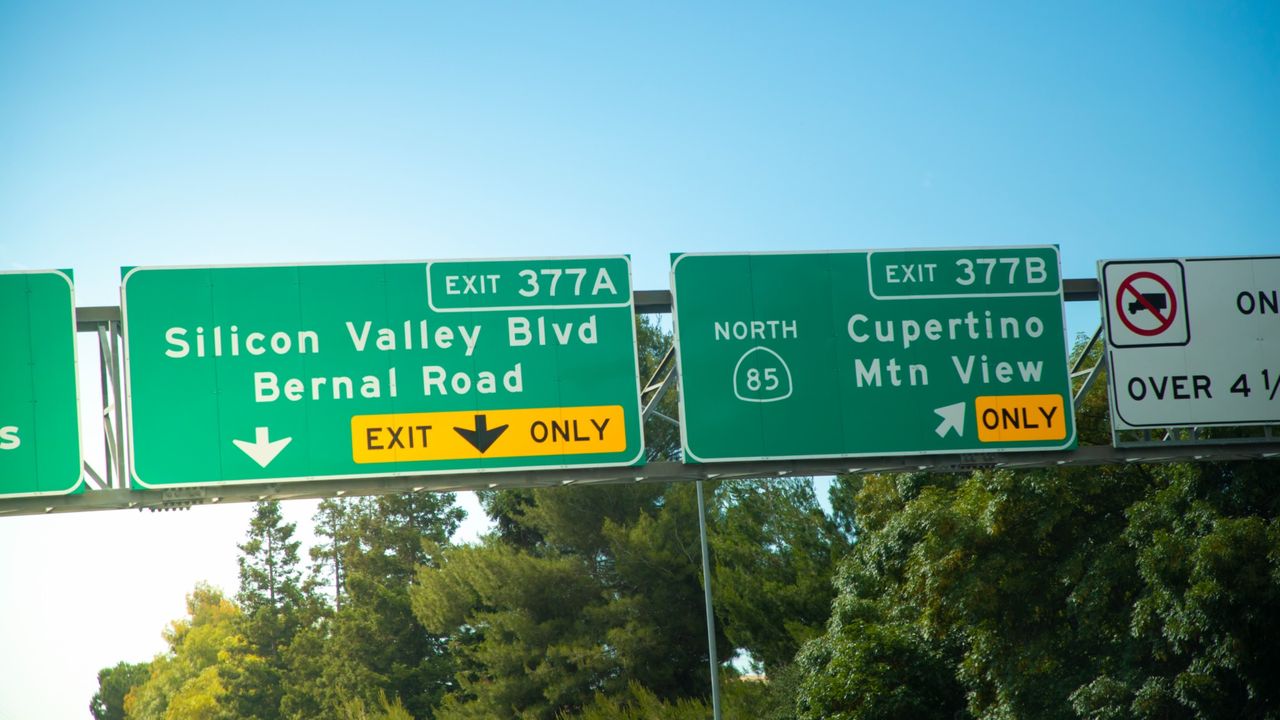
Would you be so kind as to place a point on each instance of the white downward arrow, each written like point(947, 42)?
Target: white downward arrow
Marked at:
point(261, 450)
point(952, 419)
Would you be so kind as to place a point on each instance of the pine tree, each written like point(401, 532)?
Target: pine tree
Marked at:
point(369, 647)
point(328, 568)
point(272, 600)
point(270, 578)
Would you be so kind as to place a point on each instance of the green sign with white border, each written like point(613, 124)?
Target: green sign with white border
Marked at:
point(861, 353)
point(327, 371)
point(39, 395)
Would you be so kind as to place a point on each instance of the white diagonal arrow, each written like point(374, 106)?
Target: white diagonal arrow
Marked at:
point(952, 419)
point(261, 450)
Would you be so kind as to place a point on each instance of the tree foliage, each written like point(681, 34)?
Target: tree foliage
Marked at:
point(582, 597)
point(610, 594)
point(583, 594)
point(1129, 591)
point(741, 699)
point(775, 551)
point(185, 677)
point(114, 683)
point(272, 603)
point(373, 646)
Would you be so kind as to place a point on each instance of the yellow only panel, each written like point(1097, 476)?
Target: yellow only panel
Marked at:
point(1014, 418)
point(410, 437)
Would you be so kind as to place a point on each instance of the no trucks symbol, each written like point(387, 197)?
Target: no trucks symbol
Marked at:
point(1146, 303)
point(1146, 309)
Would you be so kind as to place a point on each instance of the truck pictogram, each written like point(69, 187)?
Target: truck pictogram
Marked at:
point(1154, 301)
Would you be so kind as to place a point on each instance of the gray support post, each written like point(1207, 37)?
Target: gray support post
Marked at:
point(711, 618)
point(106, 365)
point(117, 386)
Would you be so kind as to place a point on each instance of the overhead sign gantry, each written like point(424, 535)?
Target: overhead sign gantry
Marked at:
point(311, 372)
point(321, 380)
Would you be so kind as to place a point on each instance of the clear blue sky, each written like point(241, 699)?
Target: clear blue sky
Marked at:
point(242, 132)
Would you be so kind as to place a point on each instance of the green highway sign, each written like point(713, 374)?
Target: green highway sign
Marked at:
point(39, 400)
point(266, 373)
point(898, 352)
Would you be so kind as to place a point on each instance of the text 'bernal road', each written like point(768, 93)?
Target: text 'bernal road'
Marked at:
point(39, 418)
point(240, 374)
point(839, 354)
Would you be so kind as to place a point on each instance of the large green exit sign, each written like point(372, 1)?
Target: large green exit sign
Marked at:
point(241, 374)
point(839, 354)
point(39, 414)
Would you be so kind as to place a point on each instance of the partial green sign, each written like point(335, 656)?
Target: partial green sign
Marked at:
point(842, 354)
point(39, 407)
point(244, 374)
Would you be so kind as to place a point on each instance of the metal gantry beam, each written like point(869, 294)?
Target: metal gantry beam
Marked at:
point(104, 322)
point(1086, 456)
point(115, 493)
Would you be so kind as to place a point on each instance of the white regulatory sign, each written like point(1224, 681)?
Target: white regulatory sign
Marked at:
point(1193, 341)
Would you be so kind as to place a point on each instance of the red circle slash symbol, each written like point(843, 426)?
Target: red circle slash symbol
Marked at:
point(1151, 302)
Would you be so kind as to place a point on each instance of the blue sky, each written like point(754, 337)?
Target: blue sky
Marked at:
point(238, 132)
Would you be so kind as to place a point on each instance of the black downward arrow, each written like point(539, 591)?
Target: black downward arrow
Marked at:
point(482, 437)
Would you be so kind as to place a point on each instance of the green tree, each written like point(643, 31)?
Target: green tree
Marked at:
point(303, 686)
point(506, 508)
point(270, 574)
point(741, 699)
point(1202, 637)
point(525, 630)
point(775, 552)
point(114, 683)
point(334, 537)
point(272, 600)
point(1131, 591)
point(654, 579)
point(611, 593)
point(583, 590)
point(385, 710)
point(370, 646)
point(186, 674)
point(305, 691)
point(989, 583)
point(200, 698)
point(880, 671)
